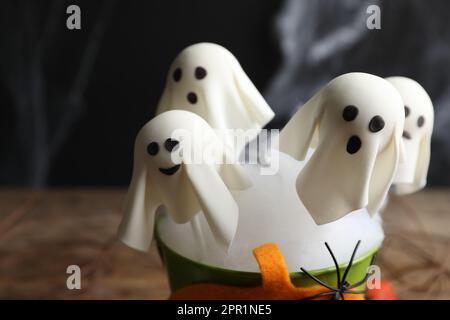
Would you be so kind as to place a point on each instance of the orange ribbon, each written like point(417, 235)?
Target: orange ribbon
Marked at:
point(276, 283)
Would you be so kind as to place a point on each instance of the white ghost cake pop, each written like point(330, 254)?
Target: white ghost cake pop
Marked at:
point(178, 164)
point(208, 80)
point(358, 119)
point(411, 175)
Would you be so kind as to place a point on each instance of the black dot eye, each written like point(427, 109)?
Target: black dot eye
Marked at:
point(350, 113)
point(153, 148)
point(177, 74)
point(420, 121)
point(376, 124)
point(407, 111)
point(353, 144)
point(170, 144)
point(200, 73)
point(192, 97)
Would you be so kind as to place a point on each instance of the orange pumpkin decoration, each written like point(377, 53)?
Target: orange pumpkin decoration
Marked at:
point(276, 283)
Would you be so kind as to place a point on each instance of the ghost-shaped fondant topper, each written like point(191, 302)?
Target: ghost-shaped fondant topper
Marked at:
point(207, 79)
point(179, 164)
point(411, 175)
point(357, 120)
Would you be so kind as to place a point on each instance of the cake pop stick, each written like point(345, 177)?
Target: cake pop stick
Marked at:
point(178, 164)
point(207, 79)
point(358, 119)
point(411, 175)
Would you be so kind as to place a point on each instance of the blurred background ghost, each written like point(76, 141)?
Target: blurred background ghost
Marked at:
point(72, 101)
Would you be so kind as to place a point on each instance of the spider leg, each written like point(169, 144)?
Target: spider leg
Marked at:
point(360, 282)
point(319, 295)
point(338, 273)
point(365, 277)
point(350, 263)
point(318, 280)
point(374, 257)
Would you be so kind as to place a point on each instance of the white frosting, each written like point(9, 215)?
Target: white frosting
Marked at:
point(271, 211)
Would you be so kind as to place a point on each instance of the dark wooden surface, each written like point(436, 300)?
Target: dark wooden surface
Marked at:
point(41, 233)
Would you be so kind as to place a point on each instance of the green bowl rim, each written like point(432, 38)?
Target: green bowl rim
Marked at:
point(293, 275)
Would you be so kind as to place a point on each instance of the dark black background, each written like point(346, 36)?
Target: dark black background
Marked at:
point(53, 135)
point(139, 43)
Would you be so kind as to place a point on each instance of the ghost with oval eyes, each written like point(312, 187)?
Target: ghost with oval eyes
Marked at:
point(207, 79)
point(178, 164)
point(419, 117)
point(357, 121)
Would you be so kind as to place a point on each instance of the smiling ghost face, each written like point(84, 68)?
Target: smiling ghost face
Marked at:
point(208, 80)
point(170, 145)
point(166, 172)
point(162, 152)
point(358, 118)
point(419, 118)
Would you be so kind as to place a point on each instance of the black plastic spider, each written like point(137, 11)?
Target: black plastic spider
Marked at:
point(343, 287)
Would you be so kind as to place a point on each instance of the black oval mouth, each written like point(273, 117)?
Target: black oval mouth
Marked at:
point(170, 171)
point(406, 135)
point(353, 144)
